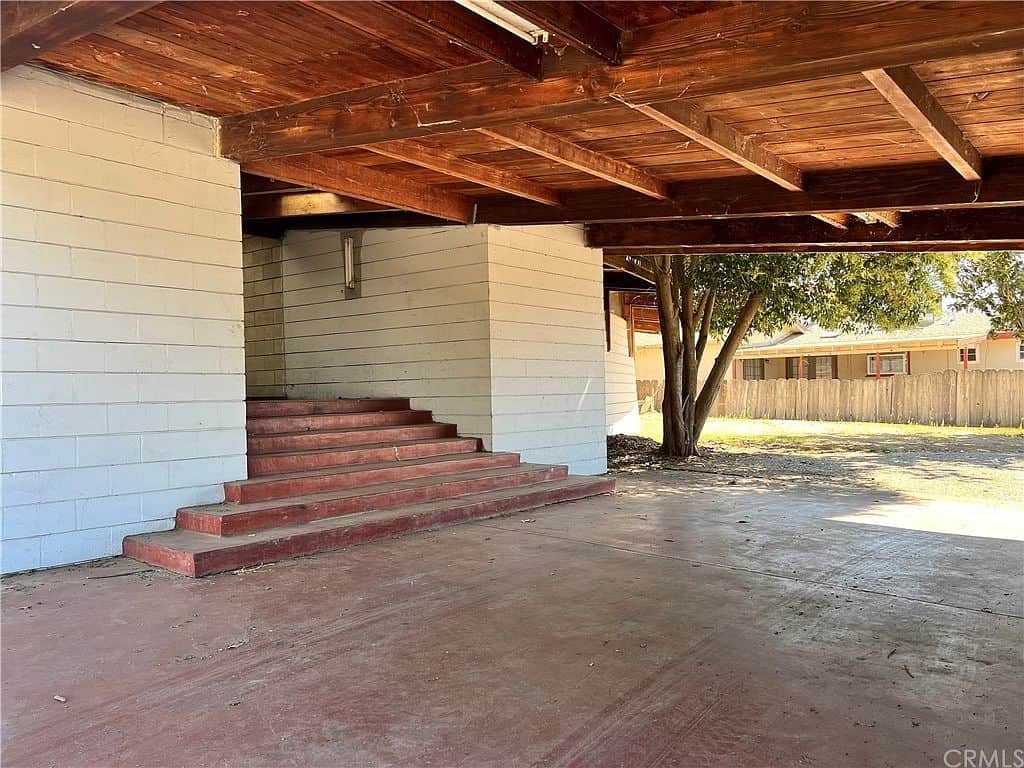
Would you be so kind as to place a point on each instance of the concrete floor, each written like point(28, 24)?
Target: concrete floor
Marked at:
point(686, 621)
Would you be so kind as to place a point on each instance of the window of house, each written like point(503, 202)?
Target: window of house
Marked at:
point(753, 369)
point(972, 354)
point(893, 363)
point(818, 367)
point(1020, 351)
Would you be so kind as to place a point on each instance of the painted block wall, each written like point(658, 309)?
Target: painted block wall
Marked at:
point(121, 318)
point(622, 408)
point(264, 317)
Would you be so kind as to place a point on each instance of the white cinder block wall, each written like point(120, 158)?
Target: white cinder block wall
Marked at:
point(121, 322)
point(264, 317)
point(622, 408)
point(547, 346)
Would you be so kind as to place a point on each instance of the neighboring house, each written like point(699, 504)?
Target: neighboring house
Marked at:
point(949, 341)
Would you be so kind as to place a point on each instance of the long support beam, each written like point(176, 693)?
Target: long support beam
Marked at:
point(285, 204)
point(780, 43)
point(575, 23)
point(29, 29)
point(332, 175)
point(902, 88)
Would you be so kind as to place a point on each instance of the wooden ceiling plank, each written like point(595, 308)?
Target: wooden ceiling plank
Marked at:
point(922, 186)
point(488, 176)
point(994, 226)
point(30, 29)
point(471, 31)
point(351, 180)
point(694, 123)
point(837, 220)
point(286, 204)
point(574, 22)
point(575, 156)
point(891, 219)
point(739, 47)
point(902, 88)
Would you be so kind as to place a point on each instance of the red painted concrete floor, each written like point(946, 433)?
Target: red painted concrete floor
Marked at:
point(672, 625)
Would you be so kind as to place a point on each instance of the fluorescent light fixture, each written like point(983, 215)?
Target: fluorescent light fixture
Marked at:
point(504, 18)
point(350, 262)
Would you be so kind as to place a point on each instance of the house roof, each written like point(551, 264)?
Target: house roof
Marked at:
point(947, 331)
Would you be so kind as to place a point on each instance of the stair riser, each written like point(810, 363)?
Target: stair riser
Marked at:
point(271, 408)
point(316, 423)
point(206, 563)
point(314, 440)
point(272, 464)
point(280, 489)
point(290, 514)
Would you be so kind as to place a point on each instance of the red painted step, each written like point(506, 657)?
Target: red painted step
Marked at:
point(308, 441)
point(326, 421)
point(230, 519)
point(198, 554)
point(255, 409)
point(361, 476)
point(326, 458)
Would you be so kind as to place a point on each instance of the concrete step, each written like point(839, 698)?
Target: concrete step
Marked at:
point(310, 441)
point(199, 554)
point(327, 458)
point(360, 476)
point(328, 421)
point(256, 409)
point(230, 519)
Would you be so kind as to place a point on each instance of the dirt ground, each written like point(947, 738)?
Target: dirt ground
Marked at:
point(970, 466)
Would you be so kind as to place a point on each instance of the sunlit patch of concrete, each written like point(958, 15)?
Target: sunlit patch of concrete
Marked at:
point(951, 517)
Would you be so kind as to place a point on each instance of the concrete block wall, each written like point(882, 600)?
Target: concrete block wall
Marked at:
point(621, 406)
point(121, 318)
point(264, 317)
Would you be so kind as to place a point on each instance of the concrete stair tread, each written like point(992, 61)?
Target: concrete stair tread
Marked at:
point(356, 447)
point(354, 468)
point(307, 407)
point(316, 422)
point(228, 509)
point(375, 430)
point(197, 542)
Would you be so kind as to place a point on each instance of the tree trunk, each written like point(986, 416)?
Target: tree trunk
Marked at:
point(668, 318)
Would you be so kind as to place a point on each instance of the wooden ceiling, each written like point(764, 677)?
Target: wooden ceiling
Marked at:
point(828, 118)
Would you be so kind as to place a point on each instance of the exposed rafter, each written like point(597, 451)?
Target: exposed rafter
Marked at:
point(949, 229)
point(902, 88)
point(427, 157)
point(781, 43)
point(889, 218)
point(576, 23)
point(930, 186)
point(465, 28)
point(29, 29)
point(582, 159)
point(344, 178)
point(277, 205)
point(837, 220)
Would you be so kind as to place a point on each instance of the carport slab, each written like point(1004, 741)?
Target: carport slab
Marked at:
point(689, 620)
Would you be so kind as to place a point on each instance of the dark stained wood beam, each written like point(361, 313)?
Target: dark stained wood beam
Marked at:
point(902, 88)
point(465, 28)
point(582, 159)
point(745, 46)
point(889, 218)
point(30, 29)
point(694, 123)
point(427, 157)
point(837, 220)
point(344, 178)
point(631, 265)
point(287, 204)
point(950, 229)
point(575, 23)
point(894, 247)
point(929, 186)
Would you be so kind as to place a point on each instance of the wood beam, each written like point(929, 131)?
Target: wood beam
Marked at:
point(30, 29)
point(427, 157)
point(465, 28)
point(285, 204)
point(951, 229)
point(902, 88)
point(739, 47)
point(928, 186)
point(889, 218)
point(582, 159)
point(345, 178)
point(631, 265)
point(694, 123)
point(837, 220)
point(575, 23)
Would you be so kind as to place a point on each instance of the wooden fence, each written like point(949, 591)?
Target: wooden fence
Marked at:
point(964, 398)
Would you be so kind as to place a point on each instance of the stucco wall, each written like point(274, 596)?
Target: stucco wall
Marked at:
point(122, 357)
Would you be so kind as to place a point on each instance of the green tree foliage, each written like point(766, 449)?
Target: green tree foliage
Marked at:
point(993, 283)
point(728, 296)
